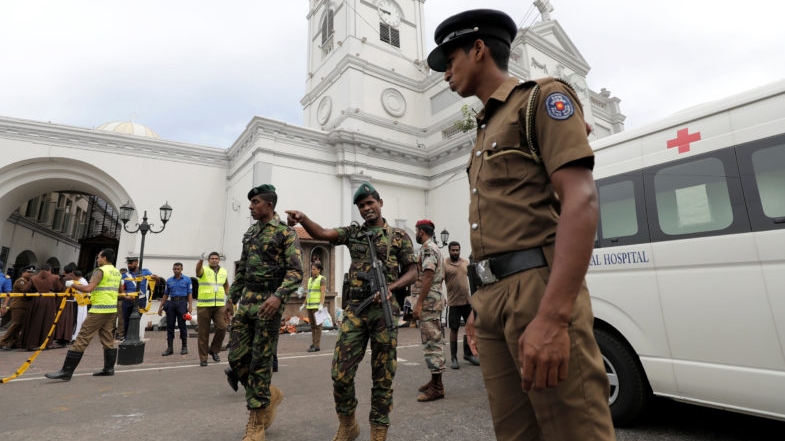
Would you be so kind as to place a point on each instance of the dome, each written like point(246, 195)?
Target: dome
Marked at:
point(128, 128)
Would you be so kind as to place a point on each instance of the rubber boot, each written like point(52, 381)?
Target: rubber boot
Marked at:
point(276, 396)
point(254, 430)
point(110, 357)
point(72, 359)
point(435, 392)
point(169, 350)
point(467, 353)
point(454, 355)
point(378, 432)
point(348, 429)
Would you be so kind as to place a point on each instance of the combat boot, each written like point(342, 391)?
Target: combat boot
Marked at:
point(168, 351)
point(110, 357)
point(378, 432)
point(435, 392)
point(254, 430)
point(276, 396)
point(425, 386)
point(467, 353)
point(72, 359)
point(348, 429)
point(454, 355)
point(231, 377)
point(184, 350)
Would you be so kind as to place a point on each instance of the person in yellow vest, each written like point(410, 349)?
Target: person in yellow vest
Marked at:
point(210, 306)
point(104, 286)
point(314, 301)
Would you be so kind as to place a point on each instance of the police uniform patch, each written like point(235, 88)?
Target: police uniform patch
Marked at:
point(559, 106)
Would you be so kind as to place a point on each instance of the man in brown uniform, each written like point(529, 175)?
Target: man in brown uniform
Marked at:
point(532, 216)
point(19, 307)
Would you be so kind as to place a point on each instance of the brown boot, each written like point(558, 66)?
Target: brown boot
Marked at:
point(254, 430)
point(435, 392)
point(425, 386)
point(276, 396)
point(348, 430)
point(378, 432)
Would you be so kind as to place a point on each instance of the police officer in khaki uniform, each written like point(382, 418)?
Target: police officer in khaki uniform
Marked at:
point(532, 216)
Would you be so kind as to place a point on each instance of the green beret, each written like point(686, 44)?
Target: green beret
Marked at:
point(365, 190)
point(264, 188)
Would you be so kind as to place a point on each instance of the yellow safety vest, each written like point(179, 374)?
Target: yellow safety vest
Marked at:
point(104, 296)
point(211, 287)
point(315, 292)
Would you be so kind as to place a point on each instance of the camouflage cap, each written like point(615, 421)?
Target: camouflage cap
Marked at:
point(261, 189)
point(365, 190)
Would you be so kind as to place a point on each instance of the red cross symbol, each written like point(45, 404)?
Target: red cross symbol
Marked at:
point(683, 140)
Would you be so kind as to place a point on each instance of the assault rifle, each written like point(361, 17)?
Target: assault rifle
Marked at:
point(378, 283)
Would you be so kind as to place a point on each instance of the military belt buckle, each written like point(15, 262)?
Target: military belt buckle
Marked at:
point(484, 272)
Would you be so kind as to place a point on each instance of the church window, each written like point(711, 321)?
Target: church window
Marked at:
point(389, 34)
point(327, 32)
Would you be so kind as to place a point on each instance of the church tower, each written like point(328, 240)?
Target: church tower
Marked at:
point(366, 67)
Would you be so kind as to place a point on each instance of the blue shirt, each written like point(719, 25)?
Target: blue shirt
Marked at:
point(178, 287)
point(5, 283)
point(130, 285)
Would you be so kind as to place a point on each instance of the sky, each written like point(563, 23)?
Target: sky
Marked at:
point(197, 71)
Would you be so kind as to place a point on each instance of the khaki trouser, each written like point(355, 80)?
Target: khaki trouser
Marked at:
point(204, 314)
point(18, 318)
point(576, 409)
point(103, 324)
point(316, 330)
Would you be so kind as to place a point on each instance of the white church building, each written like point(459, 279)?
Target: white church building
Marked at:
point(373, 111)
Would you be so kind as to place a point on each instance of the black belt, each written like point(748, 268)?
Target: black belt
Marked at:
point(498, 267)
point(178, 299)
point(266, 286)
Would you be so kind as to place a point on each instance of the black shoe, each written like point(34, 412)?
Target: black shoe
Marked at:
point(184, 351)
point(313, 349)
point(471, 359)
point(7, 348)
point(168, 351)
point(215, 356)
point(231, 378)
point(203, 363)
point(454, 364)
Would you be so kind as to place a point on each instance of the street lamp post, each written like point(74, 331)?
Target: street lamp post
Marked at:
point(445, 236)
point(132, 348)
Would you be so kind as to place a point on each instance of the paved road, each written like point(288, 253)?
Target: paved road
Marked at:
point(173, 398)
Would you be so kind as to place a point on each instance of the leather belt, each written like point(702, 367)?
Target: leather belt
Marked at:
point(266, 286)
point(495, 268)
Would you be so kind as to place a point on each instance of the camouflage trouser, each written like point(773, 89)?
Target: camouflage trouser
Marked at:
point(431, 335)
point(253, 343)
point(349, 351)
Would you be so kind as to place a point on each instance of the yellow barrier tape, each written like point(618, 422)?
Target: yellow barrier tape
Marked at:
point(26, 365)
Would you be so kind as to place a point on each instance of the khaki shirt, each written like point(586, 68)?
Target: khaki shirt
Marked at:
point(512, 202)
point(456, 277)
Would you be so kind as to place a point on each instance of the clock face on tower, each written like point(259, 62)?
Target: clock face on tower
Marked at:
point(389, 13)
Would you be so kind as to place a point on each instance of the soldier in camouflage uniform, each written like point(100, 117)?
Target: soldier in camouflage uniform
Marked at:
point(270, 269)
point(428, 310)
point(394, 248)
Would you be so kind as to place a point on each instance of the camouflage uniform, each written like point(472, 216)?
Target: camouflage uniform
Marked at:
point(394, 249)
point(430, 318)
point(271, 264)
